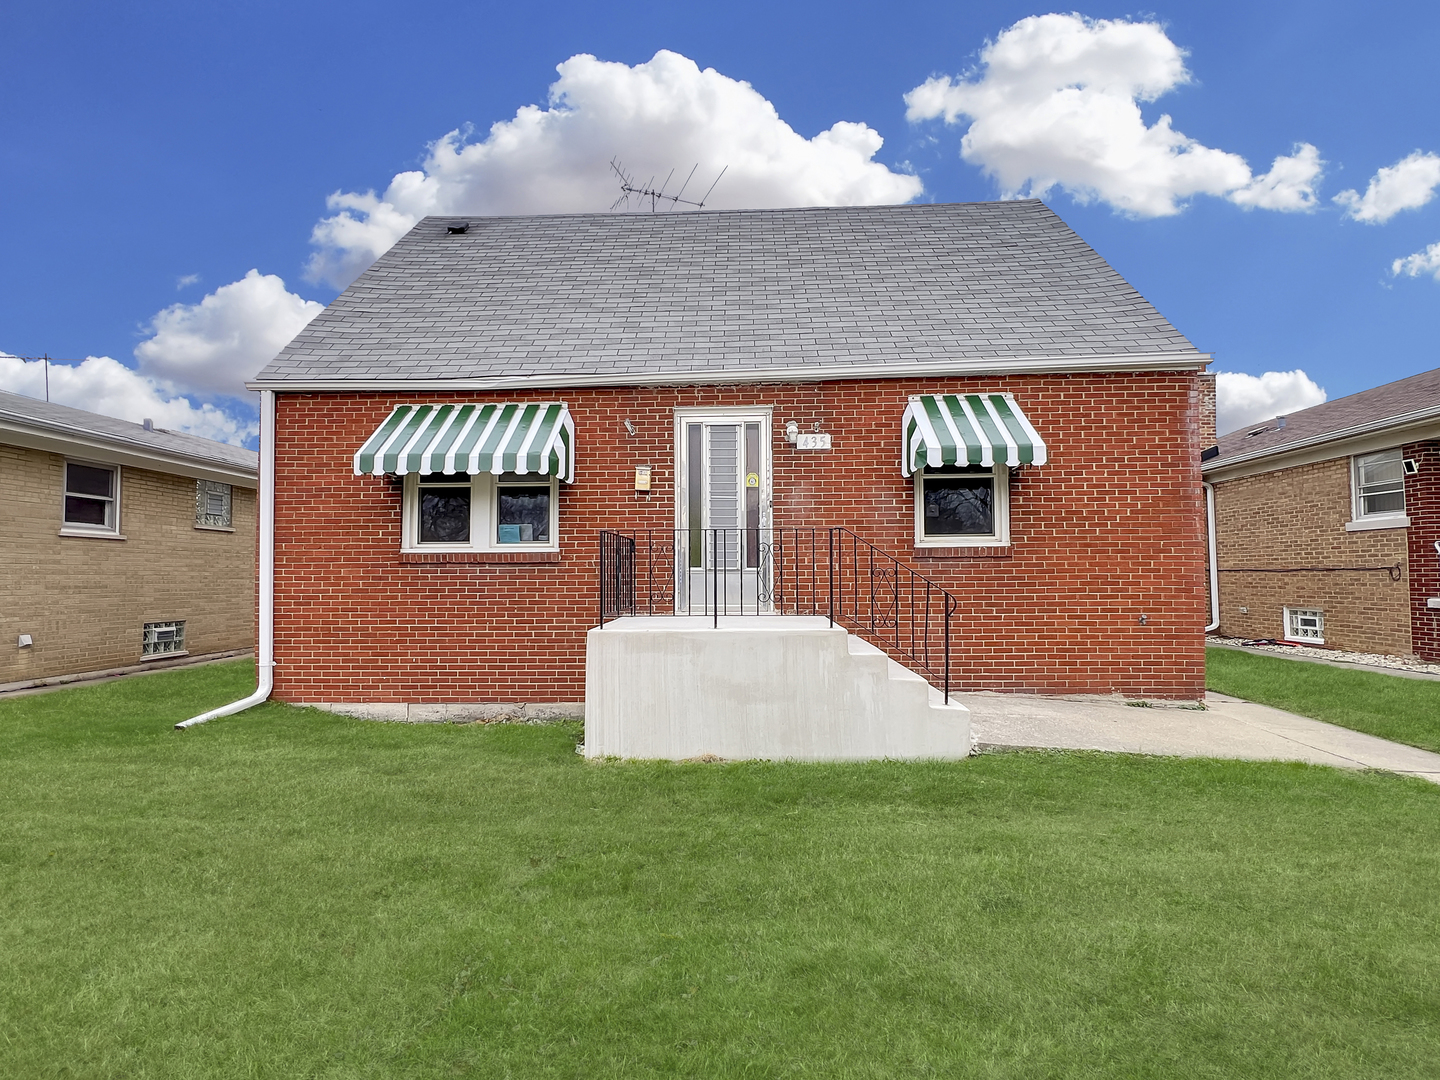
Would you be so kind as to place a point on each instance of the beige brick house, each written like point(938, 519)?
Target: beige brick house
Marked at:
point(124, 544)
point(1327, 523)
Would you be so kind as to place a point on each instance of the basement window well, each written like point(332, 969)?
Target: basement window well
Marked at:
point(163, 639)
point(1305, 625)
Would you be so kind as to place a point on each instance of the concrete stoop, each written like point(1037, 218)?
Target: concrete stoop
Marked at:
point(758, 687)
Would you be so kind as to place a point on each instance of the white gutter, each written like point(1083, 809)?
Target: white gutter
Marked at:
point(265, 660)
point(1214, 557)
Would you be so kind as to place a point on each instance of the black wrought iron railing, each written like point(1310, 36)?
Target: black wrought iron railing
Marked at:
point(830, 572)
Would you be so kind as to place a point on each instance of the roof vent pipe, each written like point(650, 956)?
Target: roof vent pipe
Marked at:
point(1279, 423)
point(148, 425)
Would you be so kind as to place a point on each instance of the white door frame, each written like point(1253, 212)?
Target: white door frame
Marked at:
point(764, 415)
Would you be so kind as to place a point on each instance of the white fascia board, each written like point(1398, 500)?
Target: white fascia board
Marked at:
point(1366, 438)
point(1189, 361)
point(112, 451)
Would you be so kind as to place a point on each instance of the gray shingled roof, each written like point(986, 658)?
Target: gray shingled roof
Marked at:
point(63, 420)
point(694, 293)
point(1369, 407)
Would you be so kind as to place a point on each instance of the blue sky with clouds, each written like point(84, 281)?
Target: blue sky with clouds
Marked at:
point(165, 165)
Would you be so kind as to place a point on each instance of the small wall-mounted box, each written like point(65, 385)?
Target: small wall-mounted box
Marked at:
point(1433, 602)
point(812, 440)
point(642, 477)
point(26, 641)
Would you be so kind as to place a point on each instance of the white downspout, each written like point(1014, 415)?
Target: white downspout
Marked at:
point(265, 662)
point(1214, 558)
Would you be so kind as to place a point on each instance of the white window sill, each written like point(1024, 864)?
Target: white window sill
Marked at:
point(92, 534)
point(960, 541)
point(214, 528)
point(1394, 521)
point(499, 549)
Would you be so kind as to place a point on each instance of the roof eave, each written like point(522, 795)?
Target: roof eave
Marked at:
point(1400, 424)
point(1172, 361)
point(116, 449)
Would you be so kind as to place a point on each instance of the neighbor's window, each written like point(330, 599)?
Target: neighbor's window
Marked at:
point(92, 497)
point(457, 512)
point(1379, 485)
point(212, 504)
point(163, 638)
point(958, 506)
point(1305, 624)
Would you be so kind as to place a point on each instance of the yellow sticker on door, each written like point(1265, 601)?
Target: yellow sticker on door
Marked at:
point(752, 479)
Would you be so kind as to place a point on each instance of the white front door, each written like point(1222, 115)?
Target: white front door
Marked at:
point(722, 551)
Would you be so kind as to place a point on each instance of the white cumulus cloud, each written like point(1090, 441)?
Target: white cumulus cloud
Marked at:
point(213, 346)
point(1407, 185)
point(1242, 400)
point(1422, 262)
point(656, 116)
point(103, 385)
point(1056, 102)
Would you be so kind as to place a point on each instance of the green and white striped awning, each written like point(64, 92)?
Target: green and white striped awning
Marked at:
point(536, 437)
point(967, 429)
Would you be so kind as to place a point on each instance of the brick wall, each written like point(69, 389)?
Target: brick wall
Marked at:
point(1110, 530)
point(1293, 518)
point(1422, 506)
point(85, 600)
point(1206, 390)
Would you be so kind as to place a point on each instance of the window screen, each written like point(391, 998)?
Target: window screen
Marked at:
point(90, 496)
point(1380, 484)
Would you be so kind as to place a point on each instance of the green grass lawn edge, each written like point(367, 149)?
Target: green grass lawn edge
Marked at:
point(1389, 706)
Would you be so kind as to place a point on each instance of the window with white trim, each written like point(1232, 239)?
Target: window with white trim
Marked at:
point(1305, 624)
point(962, 506)
point(163, 638)
point(457, 512)
point(1379, 485)
point(212, 504)
point(92, 498)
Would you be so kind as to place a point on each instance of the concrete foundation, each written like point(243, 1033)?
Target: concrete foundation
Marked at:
point(758, 687)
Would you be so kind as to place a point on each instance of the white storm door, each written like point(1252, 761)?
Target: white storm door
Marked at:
point(725, 513)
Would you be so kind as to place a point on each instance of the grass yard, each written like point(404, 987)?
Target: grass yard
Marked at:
point(289, 894)
point(1392, 707)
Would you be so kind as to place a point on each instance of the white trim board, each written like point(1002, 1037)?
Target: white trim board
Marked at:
point(104, 451)
point(827, 372)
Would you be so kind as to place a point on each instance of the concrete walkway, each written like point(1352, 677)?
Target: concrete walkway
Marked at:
point(1227, 728)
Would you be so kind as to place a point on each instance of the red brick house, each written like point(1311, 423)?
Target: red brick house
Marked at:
point(762, 370)
point(1327, 522)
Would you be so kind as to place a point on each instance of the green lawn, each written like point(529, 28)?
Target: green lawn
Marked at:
point(289, 894)
point(1392, 707)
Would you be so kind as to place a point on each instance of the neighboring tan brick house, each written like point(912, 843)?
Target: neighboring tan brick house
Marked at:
point(426, 552)
point(1327, 522)
point(124, 544)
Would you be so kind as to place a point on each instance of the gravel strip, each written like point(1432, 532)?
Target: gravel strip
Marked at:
point(1339, 656)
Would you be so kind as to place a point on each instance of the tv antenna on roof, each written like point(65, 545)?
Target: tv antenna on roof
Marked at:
point(629, 187)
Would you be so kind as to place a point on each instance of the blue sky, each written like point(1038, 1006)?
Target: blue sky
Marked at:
point(152, 155)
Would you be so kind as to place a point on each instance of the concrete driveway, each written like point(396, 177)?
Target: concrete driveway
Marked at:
point(1226, 728)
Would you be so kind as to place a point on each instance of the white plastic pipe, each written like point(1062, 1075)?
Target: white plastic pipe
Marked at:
point(265, 662)
point(1214, 558)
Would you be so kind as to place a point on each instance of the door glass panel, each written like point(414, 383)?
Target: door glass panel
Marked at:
point(723, 498)
point(752, 495)
point(694, 489)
